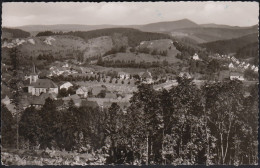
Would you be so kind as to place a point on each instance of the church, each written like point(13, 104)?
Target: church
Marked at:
point(38, 86)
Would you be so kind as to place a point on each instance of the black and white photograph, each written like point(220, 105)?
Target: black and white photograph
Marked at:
point(129, 83)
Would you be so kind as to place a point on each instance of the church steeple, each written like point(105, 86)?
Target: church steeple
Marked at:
point(34, 70)
point(33, 77)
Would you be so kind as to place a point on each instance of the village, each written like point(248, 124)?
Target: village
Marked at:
point(65, 81)
point(126, 83)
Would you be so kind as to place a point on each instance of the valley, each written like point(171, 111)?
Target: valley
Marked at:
point(119, 56)
point(92, 85)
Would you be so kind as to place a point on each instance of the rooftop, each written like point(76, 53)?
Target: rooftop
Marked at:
point(44, 83)
point(147, 74)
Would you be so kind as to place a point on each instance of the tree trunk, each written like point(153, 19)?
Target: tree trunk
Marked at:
point(147, 149)
point(222, 148)
point(227, 144)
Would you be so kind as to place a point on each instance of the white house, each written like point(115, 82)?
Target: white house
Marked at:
point(246, 66)
point(231, 65)
point(147, 77)
point(82, 91)
point(6, 100)
point(42, 86)
point(66, 85)
point(236, 75)
point(123, 75)
point(185, 74)
point(195, 57)
point(65, 65)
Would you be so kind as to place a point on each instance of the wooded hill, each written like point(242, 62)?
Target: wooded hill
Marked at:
point(14, 33)
point(232, 45)
point(210, 34)
point(134, 36)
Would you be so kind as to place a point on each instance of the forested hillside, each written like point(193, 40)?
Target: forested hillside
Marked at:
point(14, 33)
point(248, 51)
point(210, 34)
point(134, 36)
point(232, 45)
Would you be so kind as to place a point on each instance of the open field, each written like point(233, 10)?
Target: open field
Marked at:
point(49, 157)
point(141, 57)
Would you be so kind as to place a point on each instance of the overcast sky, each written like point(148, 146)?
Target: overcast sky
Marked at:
point(126, 13)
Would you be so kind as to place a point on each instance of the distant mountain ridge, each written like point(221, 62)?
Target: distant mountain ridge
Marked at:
point(165, 26)
point(213, 25)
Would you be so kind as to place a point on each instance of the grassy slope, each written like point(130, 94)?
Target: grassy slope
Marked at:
point(159, 45)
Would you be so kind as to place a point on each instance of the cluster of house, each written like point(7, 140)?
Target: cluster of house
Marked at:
point(235, 63)
point(41, 89)
point(146, 77)
point(242, 65)
point(67, 69)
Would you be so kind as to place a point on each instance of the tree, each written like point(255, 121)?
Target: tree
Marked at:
point(132, 49)
point(187, 126)
point(69, 136)
point(30, 125)
point(213, 66)
point(72, 90)
point(136, 76)
point(14, 56)
point(7, 130)
point(224, 105)
point(154, 52)
point(102, 94)
point(250, 74)
point(112, 130)
point(63, 92)
point(50, 118)
point(100, 61)
point(151, 137)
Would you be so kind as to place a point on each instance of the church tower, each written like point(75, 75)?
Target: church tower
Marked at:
point(33, 77)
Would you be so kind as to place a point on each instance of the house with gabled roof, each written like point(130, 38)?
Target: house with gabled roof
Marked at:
point(195, 56)
point(75, 98)
point(42, 86)
point(147, 77)
point(66, 85)
point(82, 91)
point(123, 75)
point(236, 75)
point(39, 101)
point(231, 65)
point(185, 74)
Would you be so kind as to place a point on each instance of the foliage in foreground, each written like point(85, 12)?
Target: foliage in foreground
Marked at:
point(214, 124)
